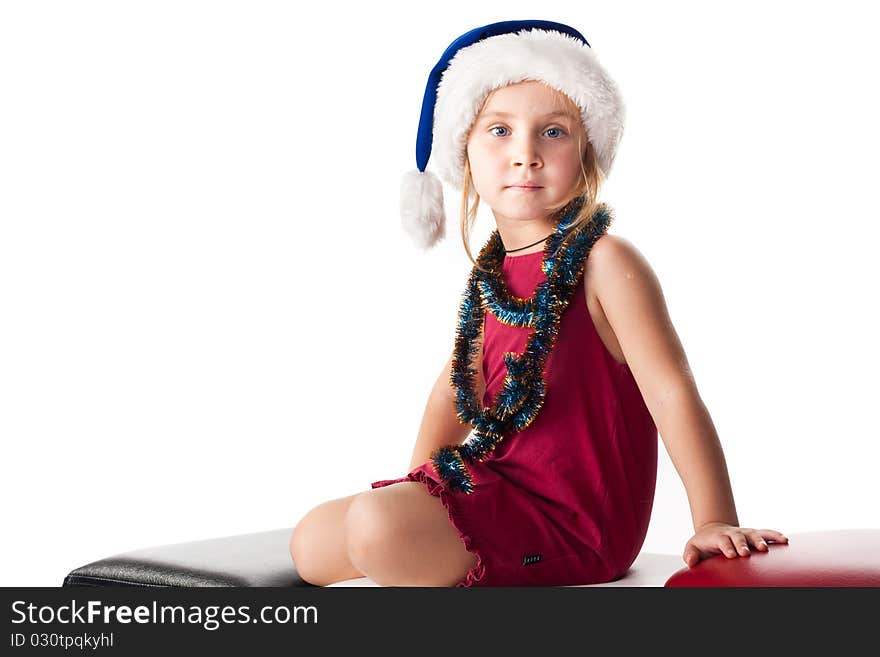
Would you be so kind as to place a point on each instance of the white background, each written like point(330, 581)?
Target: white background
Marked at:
point(211, 320)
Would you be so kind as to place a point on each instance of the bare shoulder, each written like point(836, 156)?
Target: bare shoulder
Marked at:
point(614, 251)
point(614, 260)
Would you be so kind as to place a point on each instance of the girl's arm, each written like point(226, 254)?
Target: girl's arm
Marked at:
point(630, 295)
point(440, 424)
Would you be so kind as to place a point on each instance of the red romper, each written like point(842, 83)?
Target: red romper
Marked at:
point(567, 500)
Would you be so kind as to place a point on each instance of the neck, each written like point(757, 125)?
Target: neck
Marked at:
point(517, 234)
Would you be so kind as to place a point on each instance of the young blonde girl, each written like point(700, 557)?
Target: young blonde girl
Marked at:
point(577, 364)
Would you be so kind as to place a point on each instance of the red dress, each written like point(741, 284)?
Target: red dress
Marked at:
point(567, 500)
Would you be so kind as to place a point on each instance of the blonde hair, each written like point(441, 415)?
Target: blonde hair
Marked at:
point(588, 184)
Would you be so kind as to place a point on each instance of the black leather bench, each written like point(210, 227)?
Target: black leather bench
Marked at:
point(840, 557)
point(260, 559)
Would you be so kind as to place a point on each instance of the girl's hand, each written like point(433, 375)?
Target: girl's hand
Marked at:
point(721, 538)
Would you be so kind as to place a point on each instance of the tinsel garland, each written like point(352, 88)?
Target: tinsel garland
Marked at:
point(522, 392)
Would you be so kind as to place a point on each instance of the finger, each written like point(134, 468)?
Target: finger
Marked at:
point(774, 535)
point(758, 541)
point(740, 542)
point(691, 556)
point(725, 545)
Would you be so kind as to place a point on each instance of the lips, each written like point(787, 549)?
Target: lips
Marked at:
point(526, 185)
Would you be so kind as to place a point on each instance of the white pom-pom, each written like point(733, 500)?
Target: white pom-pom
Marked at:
point(421, 208)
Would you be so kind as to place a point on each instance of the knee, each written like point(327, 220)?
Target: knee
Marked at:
point(368, 532)
point(297, 544)
point(298, 547)
point(302, 552)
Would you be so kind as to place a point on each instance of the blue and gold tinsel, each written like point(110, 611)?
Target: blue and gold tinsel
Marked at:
point(522, 392)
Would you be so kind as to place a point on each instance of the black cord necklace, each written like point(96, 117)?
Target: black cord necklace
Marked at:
point(525, 247)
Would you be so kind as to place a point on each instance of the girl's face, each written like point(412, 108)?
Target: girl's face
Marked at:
point(525, 134)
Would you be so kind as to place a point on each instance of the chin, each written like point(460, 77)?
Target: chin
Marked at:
point(520, 214)
point(526, 207)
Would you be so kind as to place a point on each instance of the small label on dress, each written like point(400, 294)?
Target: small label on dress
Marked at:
point(530, 559)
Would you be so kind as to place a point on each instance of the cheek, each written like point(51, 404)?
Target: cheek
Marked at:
point(484, 161)
point(569, 163)
point(481, 152)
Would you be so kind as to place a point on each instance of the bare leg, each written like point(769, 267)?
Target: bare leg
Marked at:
point(318, 546)
point(400, 535)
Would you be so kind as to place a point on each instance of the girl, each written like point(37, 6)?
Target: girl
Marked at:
point(577, 363)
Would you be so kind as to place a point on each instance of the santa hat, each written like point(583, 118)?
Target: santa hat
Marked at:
point(475, 64)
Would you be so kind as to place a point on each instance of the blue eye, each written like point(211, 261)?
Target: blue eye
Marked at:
point(501, 127)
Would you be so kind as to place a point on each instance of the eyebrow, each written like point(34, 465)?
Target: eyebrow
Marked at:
point(508, 115)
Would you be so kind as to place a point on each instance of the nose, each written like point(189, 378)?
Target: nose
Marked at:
point(524, 153)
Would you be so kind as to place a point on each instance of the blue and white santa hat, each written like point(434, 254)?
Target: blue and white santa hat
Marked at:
point(474, 65)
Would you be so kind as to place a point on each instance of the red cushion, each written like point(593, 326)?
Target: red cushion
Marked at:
point(846, 557)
